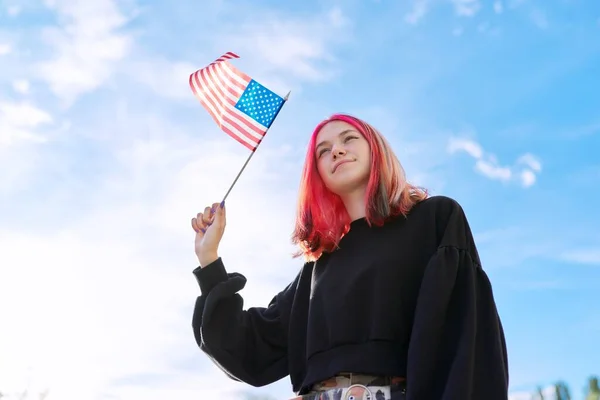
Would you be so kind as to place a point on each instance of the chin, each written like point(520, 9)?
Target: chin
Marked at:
point(347, 184)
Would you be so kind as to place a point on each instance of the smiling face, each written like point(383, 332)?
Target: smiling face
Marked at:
point(343, 158)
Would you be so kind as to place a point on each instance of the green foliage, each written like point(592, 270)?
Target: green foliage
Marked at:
point(593, 391)
point(561, 391)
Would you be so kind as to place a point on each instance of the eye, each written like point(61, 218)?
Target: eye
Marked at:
point(322, 151)
point(347, 139)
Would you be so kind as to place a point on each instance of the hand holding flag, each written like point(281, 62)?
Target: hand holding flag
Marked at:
point(209, 227)
point(245, 110)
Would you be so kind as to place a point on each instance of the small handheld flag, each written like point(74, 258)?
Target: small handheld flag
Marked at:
point(242, 108)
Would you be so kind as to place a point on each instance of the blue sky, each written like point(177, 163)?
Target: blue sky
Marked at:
point(106, 155)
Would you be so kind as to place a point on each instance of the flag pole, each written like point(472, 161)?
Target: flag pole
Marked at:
point(254, 151)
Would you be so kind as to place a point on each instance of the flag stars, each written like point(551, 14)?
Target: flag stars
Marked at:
point(259, 103)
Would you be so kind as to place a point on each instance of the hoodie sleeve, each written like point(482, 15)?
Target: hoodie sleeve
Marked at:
point(248, 345)
point(457, 348)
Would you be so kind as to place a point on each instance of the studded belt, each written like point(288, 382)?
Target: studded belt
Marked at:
point(348, 386)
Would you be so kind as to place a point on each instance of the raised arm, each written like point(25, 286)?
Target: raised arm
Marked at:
point(249, 345)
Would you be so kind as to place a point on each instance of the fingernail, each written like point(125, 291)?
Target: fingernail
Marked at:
point(212, 210)
point(222, 204)
point(203, 230)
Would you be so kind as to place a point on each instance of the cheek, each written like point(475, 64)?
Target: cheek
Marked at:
point(321, 168)
point(366, 153)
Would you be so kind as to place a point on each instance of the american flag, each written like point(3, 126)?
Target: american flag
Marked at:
point(241, 107)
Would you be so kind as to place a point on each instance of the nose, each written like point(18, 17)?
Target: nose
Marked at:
point(338, 151)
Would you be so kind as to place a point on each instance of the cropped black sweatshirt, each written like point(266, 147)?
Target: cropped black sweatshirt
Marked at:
point(406, 299)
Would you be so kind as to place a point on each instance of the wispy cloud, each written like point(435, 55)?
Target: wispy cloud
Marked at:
point(498, 7)
point(5, 49)
point(286, 51)
point(18, 120)
point(525, 169)
point(532, 167)
point(166, 78)
point(13, 10)
point(137, 230)
point(466, 8)
point(20, 137)
point(590, 256)
point(21, 86)
point(293, 47)
point(418, 11)
point(486, 28)
point(85, 47)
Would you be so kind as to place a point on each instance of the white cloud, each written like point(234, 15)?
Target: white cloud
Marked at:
point(19, 141)
point(531, 161)
point(17, 121)
point(21, 86)
point(23, 114)
point(337, 17)
point(466, 8)
point(418, 11)
point(498, 7)
point(527, 178)
point(470, 147)
point(112, 294)
point(5, 49)
point(286, 51)
point(583, 256)
point(85, 47)
point(533, 164)
point(13, 10)
point(18, 162)
point(488, 165)
point(166, 78)
point(286, 47)
point(492, 170)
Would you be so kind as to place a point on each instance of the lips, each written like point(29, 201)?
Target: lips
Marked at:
point(335, 167)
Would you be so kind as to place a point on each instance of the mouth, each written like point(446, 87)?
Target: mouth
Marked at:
point(335, 167)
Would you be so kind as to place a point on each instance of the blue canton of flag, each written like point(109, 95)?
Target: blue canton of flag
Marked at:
point(259, 103)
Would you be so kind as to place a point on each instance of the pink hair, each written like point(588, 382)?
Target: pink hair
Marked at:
point(322, 219)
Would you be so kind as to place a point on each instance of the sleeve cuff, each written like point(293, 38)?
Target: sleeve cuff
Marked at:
point(211, 275)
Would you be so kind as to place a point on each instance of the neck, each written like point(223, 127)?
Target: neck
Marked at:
point(355, 203)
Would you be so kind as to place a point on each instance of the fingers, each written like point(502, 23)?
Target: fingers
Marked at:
point(198, 226)
point(205, 219)
point(207, 216)
point(219, 215)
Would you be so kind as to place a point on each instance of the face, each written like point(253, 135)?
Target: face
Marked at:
point(343, 158)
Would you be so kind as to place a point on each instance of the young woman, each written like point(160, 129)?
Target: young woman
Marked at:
point(391, 302)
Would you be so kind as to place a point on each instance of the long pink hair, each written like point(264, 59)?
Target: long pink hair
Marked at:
point(322, 219)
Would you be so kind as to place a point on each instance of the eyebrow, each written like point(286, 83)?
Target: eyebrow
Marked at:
point(342, 133)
